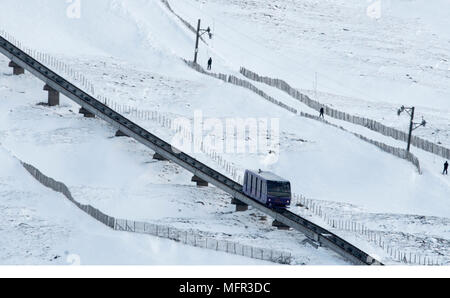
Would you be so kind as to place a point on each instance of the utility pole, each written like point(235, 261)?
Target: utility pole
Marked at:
point(412, 125)
point(197, 41)
point(200, 32)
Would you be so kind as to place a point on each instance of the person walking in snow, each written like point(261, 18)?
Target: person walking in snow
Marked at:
point(445, 172)
point(322, 111)
point(209, 63)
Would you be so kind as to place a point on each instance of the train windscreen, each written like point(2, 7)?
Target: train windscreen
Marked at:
point(279, 189)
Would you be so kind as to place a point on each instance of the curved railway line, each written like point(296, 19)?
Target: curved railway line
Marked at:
point(89, 103)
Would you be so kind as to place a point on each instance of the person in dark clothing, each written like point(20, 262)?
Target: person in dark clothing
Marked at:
point(445, 168)
point(322, 110)
point(209, 63)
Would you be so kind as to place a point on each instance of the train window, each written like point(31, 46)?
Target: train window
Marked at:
point(258, 188)
point(277, 188)
point(246, 180)
point(251, 183)
point(261, 187)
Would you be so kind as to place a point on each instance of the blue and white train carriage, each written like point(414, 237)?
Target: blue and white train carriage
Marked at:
point(267, 188)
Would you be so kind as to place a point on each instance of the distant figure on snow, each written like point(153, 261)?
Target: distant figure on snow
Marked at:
point(209, 63)
point(322, 110)
point(445, 168)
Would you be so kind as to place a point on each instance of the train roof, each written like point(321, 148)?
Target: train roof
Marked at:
point(269, 176)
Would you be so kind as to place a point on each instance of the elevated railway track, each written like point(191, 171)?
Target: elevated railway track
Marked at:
point(89, 103)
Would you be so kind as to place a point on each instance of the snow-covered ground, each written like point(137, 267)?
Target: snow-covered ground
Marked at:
point(41, 227)
point(361, 65)
point(130, 50)
point(118, 175)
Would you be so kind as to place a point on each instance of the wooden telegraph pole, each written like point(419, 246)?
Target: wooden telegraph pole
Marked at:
point(412, 126)
point(200, 32)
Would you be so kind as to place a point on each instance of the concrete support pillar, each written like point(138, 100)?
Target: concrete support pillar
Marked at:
point(313, 243)
point(120, 133)
point(53, 96)
point(279, 225)
point(199, 181)
point(86, 113)
point(159, 157)
point(17, 70)
point(240, 206)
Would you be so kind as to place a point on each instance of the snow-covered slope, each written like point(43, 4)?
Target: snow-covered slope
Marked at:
point(131, 49)
point(41, 227)
point(339, 54)
point(118, 175)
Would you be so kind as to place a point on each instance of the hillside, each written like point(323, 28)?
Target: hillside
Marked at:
point(132, 52)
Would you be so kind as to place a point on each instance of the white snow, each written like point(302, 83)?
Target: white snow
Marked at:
point(131, 50)
point(41, 227)
point(362, 65)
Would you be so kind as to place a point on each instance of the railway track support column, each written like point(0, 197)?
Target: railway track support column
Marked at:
point(311, 242)
point(240, 206)
point(280, 225)
point(53, 96)
point(17, 70)
point(86, 113)
point(199, 181)
point(120, 133)
point(159, 157)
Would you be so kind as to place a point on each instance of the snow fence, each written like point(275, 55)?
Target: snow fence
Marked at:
point(188, 237)
point(368, 123)
point(337, 223)
point(165, 120)
point(398, 152)
point(82, 82)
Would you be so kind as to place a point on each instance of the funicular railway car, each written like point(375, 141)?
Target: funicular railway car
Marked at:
point(267, 188)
